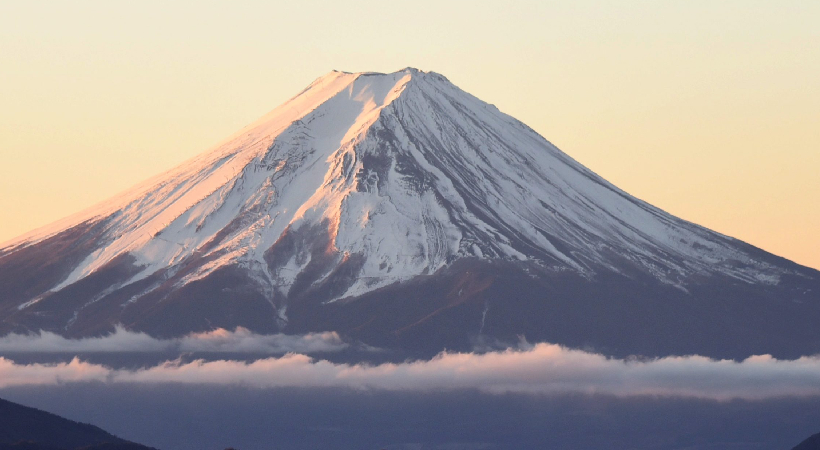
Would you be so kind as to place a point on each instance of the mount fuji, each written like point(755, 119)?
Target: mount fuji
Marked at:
point(403, 212)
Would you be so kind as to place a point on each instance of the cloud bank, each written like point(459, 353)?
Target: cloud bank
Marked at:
point(220, 340)
point(541, 369)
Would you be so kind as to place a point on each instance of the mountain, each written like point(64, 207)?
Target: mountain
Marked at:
point(404, 212)
point(24, 428)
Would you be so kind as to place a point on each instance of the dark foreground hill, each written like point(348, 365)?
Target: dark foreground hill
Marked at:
point(812, 443)
point(24, 428)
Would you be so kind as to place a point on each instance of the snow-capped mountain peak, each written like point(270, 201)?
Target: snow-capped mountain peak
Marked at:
point(405, 171)
point(363, 181)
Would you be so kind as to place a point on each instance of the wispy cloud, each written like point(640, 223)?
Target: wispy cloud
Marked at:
point(541, 369)
point(121, 340)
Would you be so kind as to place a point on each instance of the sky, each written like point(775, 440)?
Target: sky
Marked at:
point(709, 110)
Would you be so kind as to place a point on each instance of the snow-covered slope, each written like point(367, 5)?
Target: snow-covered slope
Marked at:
point(385, 177)
point(407, 170)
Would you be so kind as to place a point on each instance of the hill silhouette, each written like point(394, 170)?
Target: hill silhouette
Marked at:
point(25, 428)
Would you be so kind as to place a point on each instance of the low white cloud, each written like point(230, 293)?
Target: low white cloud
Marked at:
point(542, 369)
point(12, 374)
point(220, 340)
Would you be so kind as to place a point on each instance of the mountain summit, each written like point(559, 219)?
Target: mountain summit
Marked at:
point(400, 210)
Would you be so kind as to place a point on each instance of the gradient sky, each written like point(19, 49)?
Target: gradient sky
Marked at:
point(707, 109)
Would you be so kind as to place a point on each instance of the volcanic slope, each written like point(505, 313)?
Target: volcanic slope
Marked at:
point(399, 210)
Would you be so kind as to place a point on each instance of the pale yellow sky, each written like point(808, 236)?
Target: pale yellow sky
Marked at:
point(707, 109)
